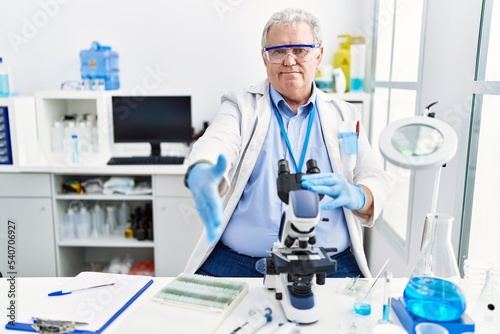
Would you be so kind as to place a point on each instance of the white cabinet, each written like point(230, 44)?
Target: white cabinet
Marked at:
point(36, 203)
point(25, 199)
point(177, 223)
point(95, 252)
point(176, 226)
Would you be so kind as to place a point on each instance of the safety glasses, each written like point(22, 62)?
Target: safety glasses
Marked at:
point(300, 52)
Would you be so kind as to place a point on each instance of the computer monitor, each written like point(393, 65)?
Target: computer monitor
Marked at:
point(152, 119)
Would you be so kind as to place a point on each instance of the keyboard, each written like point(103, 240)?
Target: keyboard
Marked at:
point(147, 160)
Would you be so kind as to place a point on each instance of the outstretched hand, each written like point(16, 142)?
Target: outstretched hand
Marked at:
point(350, 196)
point(203, 180)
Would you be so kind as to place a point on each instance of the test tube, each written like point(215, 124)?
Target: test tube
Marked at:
point(386, 307)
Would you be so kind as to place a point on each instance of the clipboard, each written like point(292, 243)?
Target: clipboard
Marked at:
point(93, 310)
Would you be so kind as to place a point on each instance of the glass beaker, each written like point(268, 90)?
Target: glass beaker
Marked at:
point(432, 292)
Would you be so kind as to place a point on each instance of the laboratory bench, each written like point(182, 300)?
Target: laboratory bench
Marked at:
point(147, 316)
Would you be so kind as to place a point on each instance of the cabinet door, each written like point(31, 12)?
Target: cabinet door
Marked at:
point(35, 250)
point(177, 230)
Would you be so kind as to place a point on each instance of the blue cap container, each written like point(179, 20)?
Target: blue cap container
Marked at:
point(100, 62)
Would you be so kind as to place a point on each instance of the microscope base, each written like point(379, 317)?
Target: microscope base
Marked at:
point(300, 309)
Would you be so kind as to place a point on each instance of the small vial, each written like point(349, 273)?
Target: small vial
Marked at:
point(75, 156)
point(386, 307)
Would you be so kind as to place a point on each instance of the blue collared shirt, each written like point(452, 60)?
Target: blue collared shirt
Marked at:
point(254, 225)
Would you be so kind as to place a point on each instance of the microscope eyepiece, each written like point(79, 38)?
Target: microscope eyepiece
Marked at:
point(312, 167)
point(283, 167)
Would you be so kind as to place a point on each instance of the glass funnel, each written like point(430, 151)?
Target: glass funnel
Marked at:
point(432, 292)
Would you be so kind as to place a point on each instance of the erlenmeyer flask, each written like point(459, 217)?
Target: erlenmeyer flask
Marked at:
point(432, 292)
point(486, 313)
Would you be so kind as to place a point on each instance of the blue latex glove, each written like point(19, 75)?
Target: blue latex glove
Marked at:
point(203, 180)
point(350, 196)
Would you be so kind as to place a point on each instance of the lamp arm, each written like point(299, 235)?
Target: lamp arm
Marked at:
point(435, 191)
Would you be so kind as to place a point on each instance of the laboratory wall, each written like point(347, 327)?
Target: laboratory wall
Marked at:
point(196, 47)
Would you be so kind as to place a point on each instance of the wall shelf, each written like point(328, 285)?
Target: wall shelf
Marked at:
point(111, 241)
point(100, 197)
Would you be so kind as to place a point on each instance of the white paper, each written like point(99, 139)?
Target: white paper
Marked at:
point(93, 306)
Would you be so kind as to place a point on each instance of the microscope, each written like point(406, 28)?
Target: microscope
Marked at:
point(294, 260)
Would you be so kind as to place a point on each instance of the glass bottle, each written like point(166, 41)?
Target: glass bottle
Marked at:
point(486, 313)
point(432, 292)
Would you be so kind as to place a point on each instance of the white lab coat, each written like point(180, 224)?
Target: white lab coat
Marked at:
point(239, 131)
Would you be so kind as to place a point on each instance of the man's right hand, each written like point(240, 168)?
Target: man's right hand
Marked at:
point(203, 180)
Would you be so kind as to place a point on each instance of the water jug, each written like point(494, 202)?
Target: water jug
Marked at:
point(100, 63)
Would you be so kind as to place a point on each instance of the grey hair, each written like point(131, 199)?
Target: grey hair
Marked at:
point(292, 16)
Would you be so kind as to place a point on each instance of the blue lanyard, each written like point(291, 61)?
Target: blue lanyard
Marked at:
point(298, 168)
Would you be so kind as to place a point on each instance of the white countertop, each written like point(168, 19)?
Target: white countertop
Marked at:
point(149, 317)
point(96, 167)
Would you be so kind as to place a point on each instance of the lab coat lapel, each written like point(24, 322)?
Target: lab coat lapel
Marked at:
point(330, 125)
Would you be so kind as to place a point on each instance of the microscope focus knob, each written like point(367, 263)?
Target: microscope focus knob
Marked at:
point(289, 241)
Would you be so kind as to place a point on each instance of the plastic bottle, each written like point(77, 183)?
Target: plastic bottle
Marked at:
point(339, 80)
point(123, 215)
point(69, 131)
point(94, 136)
point(110, 219)
point(69, 225)
point(98, 218)
point(84, 223)
point(486, 313)
point(324, 78)
point(357, 68)
point(432, 292)
point(84, 138)
point(342, 58)
point(75, 155)
point(57, 137)
point(4, 80)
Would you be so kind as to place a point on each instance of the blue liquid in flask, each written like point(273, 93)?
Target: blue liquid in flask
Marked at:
point(434, 299)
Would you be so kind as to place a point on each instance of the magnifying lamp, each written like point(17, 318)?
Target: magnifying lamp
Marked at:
point(419, 142)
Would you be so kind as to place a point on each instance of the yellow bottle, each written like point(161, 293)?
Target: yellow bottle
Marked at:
point(342, 58)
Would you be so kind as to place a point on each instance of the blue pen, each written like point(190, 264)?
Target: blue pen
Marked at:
point(62, 293)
